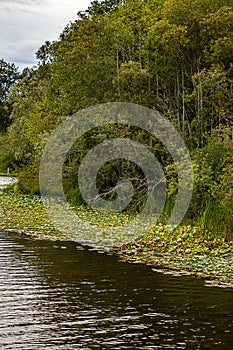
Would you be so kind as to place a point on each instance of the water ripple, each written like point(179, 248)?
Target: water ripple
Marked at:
point(79, 299)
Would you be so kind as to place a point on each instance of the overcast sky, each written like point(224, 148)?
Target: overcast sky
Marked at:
point(26, 24)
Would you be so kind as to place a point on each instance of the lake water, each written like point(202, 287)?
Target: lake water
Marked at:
point(6, 180)
point(56, 296)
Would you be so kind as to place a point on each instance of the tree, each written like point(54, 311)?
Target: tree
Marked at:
point(8, 77)
point(174, 56)
point(99, 8)
point(45, 53)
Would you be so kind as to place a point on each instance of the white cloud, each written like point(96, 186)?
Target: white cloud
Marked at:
point(20, 5)
point(18, 2)
point(26, 24)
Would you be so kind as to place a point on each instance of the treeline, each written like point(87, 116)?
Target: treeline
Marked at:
point(174, 56)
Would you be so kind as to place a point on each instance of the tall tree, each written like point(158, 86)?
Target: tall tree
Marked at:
point(8, 77)
point(45, 53)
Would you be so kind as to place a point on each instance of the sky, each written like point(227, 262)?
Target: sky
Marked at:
point(26, 24)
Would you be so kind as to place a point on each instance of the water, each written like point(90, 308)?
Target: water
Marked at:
point(56, 296)
point(6, 180)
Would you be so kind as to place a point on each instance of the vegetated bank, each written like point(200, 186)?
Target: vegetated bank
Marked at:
point(171, 56)
point(186, 250)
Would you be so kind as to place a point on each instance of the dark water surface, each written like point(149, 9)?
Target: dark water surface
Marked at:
point(55, 296)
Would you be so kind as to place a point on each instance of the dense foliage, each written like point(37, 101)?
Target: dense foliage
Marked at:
point(174, 56)
point(8, 77)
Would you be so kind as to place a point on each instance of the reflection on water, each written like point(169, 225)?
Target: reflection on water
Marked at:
point(56, 296)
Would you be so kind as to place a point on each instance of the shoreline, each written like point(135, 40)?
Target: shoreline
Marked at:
point(185, 251)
